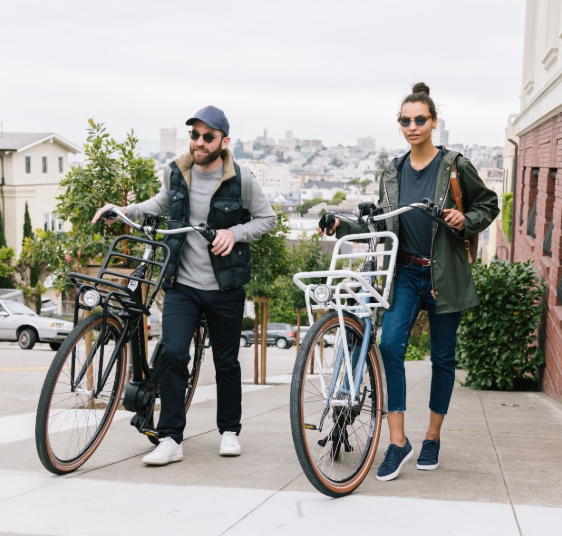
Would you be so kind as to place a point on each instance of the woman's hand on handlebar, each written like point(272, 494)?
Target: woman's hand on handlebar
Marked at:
point(330, 231)
point(105, 208)
point(454, 218)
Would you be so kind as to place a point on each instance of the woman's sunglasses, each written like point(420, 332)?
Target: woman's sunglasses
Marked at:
point(208, 136)
point(420, 120)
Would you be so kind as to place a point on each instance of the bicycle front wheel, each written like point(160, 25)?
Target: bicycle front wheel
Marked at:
point(72, 416)
point(335, 437)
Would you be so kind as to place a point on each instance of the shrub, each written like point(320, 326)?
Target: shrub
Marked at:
point(507, 214)
point(247, 323)
point(496, 339)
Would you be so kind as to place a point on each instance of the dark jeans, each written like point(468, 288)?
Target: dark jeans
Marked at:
point(412, 292)
point(223, 310)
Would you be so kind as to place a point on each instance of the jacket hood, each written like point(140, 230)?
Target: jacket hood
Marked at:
point(185, 163)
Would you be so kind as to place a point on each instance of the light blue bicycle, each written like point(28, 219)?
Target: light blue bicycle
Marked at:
point(338, 395)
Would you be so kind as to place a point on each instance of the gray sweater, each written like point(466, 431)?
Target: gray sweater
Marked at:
point(195, 269)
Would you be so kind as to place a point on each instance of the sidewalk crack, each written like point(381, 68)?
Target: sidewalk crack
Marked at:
point(261, 504)
point(500, 466)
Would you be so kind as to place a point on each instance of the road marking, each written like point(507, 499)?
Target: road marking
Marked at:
point(242, 511)
point(23, 368)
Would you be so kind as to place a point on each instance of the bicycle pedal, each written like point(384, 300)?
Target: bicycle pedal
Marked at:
point(322, 442)
point(311, 426)
point(150, 432)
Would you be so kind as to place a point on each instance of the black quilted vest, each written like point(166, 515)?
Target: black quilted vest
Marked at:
point(226, 211)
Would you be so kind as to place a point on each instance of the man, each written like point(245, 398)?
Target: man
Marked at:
point(205, 185)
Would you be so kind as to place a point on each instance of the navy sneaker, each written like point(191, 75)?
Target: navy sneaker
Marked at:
point(429, 456)
point(394, 458)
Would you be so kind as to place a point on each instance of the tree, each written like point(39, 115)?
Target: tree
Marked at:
point(364, 183)
point(338, 198)
point(5, 280)
point(269, 260)
point(29, 276)
point(114, 172)
point(306, 256)
point(382, 162)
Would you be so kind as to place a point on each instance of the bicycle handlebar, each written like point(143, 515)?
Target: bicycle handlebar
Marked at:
point(427, 206)
point(203, 229)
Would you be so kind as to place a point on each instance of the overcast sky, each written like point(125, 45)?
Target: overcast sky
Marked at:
point(334, 70)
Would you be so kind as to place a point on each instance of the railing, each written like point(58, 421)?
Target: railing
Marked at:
point(547, 244)
point(532, 220)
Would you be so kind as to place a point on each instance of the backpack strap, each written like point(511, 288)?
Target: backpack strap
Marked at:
point(245, 184)
point(455, 187)
point(167, 175)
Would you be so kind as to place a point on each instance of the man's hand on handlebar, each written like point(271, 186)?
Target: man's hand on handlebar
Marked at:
point(454, 218)
point(106, 208)
point(224, 242)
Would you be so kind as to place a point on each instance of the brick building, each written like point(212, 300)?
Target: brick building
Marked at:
point(537, 202)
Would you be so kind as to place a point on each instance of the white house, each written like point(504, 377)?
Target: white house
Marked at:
point(31, 166)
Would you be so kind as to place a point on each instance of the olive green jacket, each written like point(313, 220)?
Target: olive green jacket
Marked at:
point(452, 283)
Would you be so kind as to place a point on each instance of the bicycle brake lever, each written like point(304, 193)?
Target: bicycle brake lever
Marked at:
point(109, 214)
point(209, 233)
point(435, 212)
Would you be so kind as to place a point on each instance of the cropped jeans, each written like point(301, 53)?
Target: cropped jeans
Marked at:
point(412, 292)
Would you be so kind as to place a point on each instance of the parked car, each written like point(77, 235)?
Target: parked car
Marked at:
point(48, 307)
point(328, 337)
point(280, 335)
point(19, 323)
point(154, 326)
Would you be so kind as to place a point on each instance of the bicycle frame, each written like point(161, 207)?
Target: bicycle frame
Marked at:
point(356, 285)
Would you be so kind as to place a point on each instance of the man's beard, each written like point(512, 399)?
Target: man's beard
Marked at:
point(206, 160)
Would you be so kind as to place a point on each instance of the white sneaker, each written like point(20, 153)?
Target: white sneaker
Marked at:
point(230, 445)
point(166, 452)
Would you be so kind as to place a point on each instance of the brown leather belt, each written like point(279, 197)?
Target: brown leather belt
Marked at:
point(421, 261)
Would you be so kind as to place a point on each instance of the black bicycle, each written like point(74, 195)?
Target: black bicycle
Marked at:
point(83, 387)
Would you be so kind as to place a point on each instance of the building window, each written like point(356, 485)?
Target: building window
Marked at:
point(61, 164)
point(51, 222)
point(28, 165)
point(44, 167)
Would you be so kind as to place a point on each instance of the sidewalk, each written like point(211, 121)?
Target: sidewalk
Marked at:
point(500, 473)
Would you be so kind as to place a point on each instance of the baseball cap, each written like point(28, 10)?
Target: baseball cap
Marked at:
point(212, 116)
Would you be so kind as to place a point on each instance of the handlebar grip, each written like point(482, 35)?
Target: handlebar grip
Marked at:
point(109, 214)
point(209, 233)
point(327, 221)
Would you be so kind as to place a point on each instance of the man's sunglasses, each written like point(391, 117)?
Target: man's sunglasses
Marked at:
point(209, 137)
point(420, 120)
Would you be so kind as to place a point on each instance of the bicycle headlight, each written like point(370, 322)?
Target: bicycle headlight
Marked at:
point(322, 294)
point(91, 297)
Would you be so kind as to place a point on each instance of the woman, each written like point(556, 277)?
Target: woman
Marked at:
point(432, 271)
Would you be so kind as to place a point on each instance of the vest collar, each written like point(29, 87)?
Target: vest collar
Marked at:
point(185, 163)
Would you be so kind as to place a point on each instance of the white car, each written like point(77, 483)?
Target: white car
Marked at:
point(19, 323)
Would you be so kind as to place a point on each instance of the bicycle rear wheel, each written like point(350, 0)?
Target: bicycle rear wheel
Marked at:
point(197, 353)
point(70, 422)
point(335, 440)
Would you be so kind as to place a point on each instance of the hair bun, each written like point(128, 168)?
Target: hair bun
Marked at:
point(420, 87)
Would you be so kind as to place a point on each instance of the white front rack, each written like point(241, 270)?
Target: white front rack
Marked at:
point(354, 285)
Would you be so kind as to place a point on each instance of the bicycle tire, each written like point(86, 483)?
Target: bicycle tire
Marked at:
point(193, 376)
point(309, 405)
point(51, 441)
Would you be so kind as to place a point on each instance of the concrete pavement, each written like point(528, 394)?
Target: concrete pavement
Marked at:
point(500, 472)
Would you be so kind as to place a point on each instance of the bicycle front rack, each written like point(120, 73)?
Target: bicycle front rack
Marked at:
point(115, 295)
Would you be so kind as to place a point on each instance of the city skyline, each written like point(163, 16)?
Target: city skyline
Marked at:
point(333, 73)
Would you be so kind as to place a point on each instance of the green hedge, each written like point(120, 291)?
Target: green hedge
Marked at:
point(496, 339)
point(507, 214)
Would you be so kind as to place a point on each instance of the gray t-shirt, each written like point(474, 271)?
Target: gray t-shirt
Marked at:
point(416, 185)
point(195, 267)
